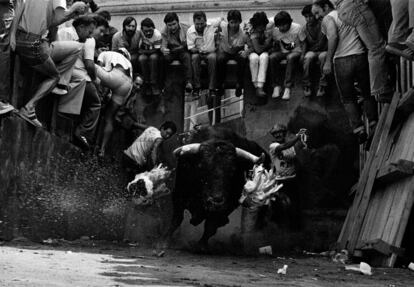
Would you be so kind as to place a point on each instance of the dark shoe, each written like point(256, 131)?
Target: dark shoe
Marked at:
point(307, 91)
point(239, 91)
point(81, 141)
point(384, 98)
point(100, 154)
point(361, 135)
point(30, 116)
point(155, 90)
point(260, 93)
point(321, 91)
point(60, 90)
point(5, 108)
point(188, 87)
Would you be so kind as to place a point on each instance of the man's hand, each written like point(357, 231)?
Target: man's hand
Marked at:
point(78, 8)
point(165, 51)
point(327, 68)
point(243, 53)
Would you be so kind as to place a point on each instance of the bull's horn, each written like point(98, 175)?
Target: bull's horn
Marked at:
point(246, 155)
point(189, 148)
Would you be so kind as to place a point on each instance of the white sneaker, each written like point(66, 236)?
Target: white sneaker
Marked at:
point(286, 94)
point(276, 92)
point(58, 91)
point(5, 108)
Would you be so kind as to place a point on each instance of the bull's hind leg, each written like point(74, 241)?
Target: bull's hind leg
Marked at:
point(210, 228)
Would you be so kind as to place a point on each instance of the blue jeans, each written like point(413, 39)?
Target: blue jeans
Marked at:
point(402, 19)
point(55, 61)
point(6, 16)
point(348, 70)
point(357, 14)
point(150, 65)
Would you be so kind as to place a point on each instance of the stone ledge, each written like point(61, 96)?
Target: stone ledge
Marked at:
point(131, 7)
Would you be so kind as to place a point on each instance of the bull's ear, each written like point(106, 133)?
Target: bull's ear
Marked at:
point(187, 149)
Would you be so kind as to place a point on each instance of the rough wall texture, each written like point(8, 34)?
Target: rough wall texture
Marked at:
point(48, 189)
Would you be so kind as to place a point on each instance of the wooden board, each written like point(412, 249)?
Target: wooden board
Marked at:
point(358, 210)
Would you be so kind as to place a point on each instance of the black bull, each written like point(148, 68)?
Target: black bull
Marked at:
point(210, 176)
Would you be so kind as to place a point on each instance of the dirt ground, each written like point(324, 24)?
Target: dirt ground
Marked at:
point(91, 263)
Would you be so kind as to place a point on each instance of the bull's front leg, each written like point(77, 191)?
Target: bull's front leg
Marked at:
point(210, 228)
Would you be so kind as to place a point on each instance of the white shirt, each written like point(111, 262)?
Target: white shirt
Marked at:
point(38, 15)
point(291, 36)
point(205, 42)
point(348, 39)
point(283, 162)
point(141, 148)
point(110, 59)
point(88, 51)
point(151, 43)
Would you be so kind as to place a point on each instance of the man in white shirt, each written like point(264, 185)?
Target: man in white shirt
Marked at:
point(143, 154)
point(149, 55)
point(34, 19)
point(83, 98)
point(202, 46)
point(287, 46)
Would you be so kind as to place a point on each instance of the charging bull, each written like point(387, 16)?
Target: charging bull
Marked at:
point(210, 176)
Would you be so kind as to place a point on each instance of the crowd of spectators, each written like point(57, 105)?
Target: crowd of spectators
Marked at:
point(82, 57)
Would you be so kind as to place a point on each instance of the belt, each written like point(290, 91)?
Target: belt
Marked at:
point(29, 35)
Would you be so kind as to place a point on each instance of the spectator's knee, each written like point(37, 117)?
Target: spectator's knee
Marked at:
point(292, 57)
point(264, 56)
point(254, 58)
point(195, 57)
point(212, 56)
point(154, 57)
point(142, 58)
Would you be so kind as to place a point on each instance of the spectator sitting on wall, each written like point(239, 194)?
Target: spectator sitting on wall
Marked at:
point(83, 99)
point(347, 54)
point(6, 18)
point(232, 41)
point(114, 70)
point(201, 44)
point(143, 154)
point(105, 43)
point(33, 21)
point(259, 44)
point(287, 46)
point(149, 56)
point(314, 46)
point(174, 45)
point(129, 39)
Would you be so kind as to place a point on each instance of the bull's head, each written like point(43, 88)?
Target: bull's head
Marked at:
point(218, 170)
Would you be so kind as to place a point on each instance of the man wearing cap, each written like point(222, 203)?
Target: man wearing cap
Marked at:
point(283, 152)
